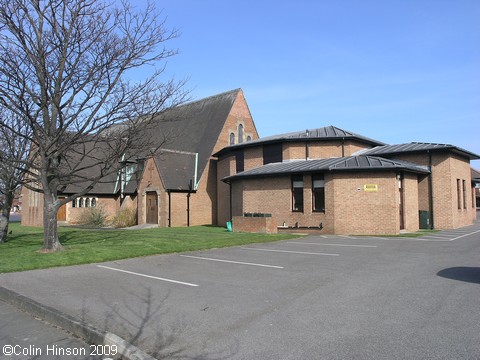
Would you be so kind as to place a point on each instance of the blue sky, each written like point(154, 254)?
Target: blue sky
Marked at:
point(393, 70)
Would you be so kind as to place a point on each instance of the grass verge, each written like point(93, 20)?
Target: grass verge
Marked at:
point(84, 246)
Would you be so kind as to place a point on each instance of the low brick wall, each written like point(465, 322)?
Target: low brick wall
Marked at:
point(265, 225)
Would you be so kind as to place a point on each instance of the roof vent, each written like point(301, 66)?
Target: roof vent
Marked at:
point(307, 132)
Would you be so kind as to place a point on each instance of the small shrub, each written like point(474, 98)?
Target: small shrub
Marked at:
point(94, 216)
point(125, 218)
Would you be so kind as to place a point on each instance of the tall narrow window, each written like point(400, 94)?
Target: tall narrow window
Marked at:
point(87, 202)
point(240, 133)
point(464, 183)
point(232, 138)
point(239, 161)
point(297, 193)
point(74, 203)
point(80, 202)
point(459, 193)
point(94, 202)
point(318, 192)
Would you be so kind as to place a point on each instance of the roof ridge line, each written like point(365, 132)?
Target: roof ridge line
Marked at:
point(209, 97)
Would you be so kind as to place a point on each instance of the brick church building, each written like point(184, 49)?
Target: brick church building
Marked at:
point(326, 179)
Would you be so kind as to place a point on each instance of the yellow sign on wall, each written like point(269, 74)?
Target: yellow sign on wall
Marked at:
point(370, 187)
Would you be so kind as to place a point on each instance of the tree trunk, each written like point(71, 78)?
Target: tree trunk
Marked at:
point(5, 216)
point(50, 231)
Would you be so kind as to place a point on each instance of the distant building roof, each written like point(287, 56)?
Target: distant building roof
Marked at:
point(475, 175)
point(414, 147)
point(351, 163)
point(323, 133)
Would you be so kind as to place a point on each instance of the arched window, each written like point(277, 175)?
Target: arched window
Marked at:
point(94, 202)
point(240, 133)
point(87, 202)
point(80, 202)
point(232, 138)
point(249, 138)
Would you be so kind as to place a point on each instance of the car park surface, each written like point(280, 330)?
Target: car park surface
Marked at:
point(316, 297)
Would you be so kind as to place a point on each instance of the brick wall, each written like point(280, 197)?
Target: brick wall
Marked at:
point(360, 212)
point(253, 157)
point(324, 150)
point(446, 169)
point(239, 115)
point(264, 225)
point(274, 196)
point(294, 151)
point(32, 208)
point(225, 167)
point(411, 202)
point(348, 208)
point(151, 183)
point(109, 204)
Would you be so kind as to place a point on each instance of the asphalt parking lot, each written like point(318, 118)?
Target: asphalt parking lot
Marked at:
point(316, 297)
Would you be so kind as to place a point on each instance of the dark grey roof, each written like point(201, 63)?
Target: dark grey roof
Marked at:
point(177, 169)
point(192, 128)
point(417, 147)
point(85, 163)
point(351, 163)
point(195, 127)
point(323, 133)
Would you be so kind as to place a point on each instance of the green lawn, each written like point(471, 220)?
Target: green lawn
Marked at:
point(83, 246)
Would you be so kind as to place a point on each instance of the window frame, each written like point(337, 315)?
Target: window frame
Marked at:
point(298, 191)
point(318, 191)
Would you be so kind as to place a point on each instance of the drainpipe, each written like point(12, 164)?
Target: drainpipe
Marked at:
point(430, 189)
point(188, 209)
point(190, 185)
point(230, 209)
point(169, 209)
point(195, 184)
point(343, 147)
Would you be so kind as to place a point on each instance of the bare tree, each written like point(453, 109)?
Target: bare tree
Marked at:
point(13, 165)
point(66, 68)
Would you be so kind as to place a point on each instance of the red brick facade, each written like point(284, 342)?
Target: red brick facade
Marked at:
point(356, 202)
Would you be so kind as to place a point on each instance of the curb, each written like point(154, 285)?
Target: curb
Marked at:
point(81, 329)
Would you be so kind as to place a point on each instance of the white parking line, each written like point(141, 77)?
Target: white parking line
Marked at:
point(459, 237)
point(291, 252)
point(233, 262)
point(308, 243)
point(147, 276)
point(413, 239)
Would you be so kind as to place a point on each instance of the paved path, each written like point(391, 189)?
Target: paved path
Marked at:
point(318, 297)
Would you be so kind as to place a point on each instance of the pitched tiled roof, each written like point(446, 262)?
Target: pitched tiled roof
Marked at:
point(417, 147)
point(195, 127)
point(177, 169)
point(323, 133)
point(352, 163)
point(191, 128)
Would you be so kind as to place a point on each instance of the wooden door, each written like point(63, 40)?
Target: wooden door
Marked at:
point(152, 208)
point(62, 213)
